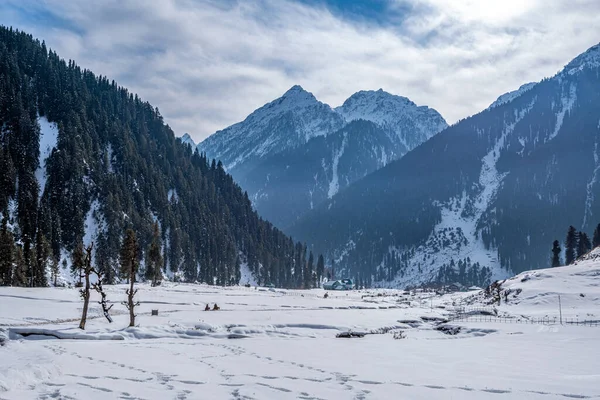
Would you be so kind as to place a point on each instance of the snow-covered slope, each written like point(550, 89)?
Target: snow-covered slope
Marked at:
point(412, 124)
point(536, 293)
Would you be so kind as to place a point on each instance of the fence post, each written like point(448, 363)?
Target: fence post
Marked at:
point(560, 309)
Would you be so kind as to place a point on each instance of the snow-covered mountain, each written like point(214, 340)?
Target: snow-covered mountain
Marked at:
point(410, 123)
point(288, 122)
point(295, 152)
point(481, 200)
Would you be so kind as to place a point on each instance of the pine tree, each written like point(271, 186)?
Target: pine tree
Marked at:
point(129, 262)
point(154, 259)
point(570, 245)
point(556, 254)
point(332, 269)
point(308, 276)
point(43, 254)
point(596, 238)
point(583, 244)
point(320, 268)
point(54, 271)
point(128, 255)
point(20, 269)
point(7, 254)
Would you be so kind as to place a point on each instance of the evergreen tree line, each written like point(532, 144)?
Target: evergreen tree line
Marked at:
point(576, 245)
point(117, 163)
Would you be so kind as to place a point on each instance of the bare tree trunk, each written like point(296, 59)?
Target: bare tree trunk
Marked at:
point(130, 293)
point(130, 301)
point(85, 292)
point(105, 307)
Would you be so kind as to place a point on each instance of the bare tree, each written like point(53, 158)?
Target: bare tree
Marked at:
point(98, 287)
point(85, 291)
point(130, 304)
point(86, 271)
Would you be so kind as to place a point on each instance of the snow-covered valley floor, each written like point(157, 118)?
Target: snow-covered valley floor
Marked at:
point(282, 345)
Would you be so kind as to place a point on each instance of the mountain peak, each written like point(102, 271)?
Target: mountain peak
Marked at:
point(394, 112)
point(187, 139)
point(298, 95)
point(588, 59)
point(295, 89)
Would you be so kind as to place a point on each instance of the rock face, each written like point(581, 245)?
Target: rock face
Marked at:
point(296, 152)
point(481, 200)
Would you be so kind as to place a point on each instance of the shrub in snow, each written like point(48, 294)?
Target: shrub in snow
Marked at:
point(350, 335)
point(448, 329)
point(399, 335)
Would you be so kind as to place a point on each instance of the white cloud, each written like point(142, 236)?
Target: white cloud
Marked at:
point(208, 64)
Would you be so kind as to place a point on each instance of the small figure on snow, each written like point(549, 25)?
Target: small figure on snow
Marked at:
point(326, 295)
point(207, 308)
point(216, 307)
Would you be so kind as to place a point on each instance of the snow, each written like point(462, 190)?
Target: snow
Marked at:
point(48, 141)
point(535, 293)
point(172, 195)
point(246, 276)
point(567, 102)
point(109, 155)
point(12, 213)
point(281, 344)
point(334, 184)
point(93, 224)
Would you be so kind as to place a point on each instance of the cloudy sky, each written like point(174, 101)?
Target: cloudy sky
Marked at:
point(208, 63)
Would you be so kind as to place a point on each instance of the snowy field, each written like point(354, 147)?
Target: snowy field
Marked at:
point(280, 344)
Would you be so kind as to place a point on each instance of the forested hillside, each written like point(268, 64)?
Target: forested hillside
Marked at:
point(82, 160)
point(481, 200)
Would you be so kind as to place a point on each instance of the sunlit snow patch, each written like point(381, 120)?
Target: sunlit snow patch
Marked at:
point(48, 141)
